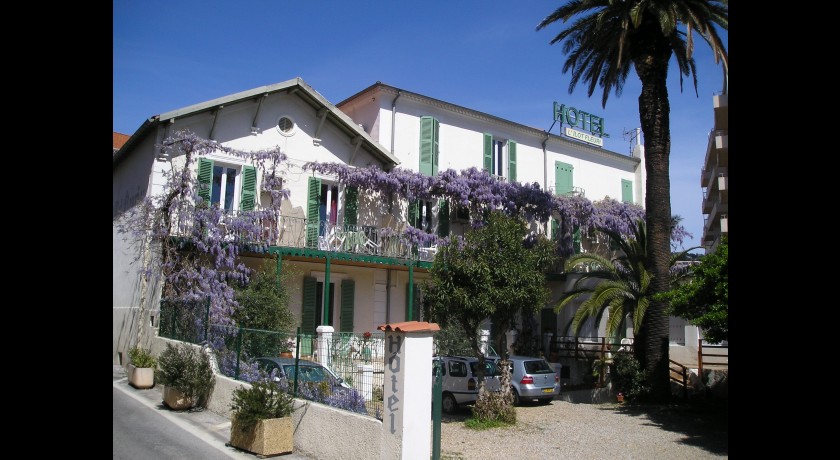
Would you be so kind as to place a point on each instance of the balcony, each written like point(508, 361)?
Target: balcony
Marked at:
point(297, 232)
point(575, 191)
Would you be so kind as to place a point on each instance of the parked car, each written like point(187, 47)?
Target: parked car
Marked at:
point(308, 371)
point(533, 378)
point(460, 379)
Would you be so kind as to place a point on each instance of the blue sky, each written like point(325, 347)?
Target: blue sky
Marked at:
point(484, 55)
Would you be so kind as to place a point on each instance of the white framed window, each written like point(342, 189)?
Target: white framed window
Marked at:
point(231, 187)
point(225, 189)
point(286, 125)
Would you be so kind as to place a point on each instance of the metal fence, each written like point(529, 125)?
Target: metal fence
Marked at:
point(354, 358)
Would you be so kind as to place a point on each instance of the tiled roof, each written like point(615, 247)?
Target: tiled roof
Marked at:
point(120, 140)
point(409, 326)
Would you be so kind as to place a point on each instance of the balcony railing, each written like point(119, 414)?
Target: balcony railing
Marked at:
point(574, 191)
point(298, 232)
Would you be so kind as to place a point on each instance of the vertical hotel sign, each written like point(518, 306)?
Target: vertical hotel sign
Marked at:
point(575, 118)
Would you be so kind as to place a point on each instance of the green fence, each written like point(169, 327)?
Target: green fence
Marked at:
point(343, 370)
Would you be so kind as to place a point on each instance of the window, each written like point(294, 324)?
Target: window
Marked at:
point(563, 178)
point(496, 151)
point(229, 186)
point(286, 125)
point(223, 189)
point(429, 145)
point(626, 191)
point(420, 215)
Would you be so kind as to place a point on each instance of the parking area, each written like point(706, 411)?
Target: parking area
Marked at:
point(590, 431)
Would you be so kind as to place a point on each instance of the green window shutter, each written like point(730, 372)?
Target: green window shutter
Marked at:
point(428, 145)
point(348, 290)
point(562, 178)
point(511, 161)
point(443, 218)
point(414, 213)
point(435, 146)
point(626, 191)
point(576, 239)
point(312, 216)
point(555, 229)
point(351, 206)
point(307, 314)
point(249, 188)
point(488, 153)
point(415, 310)
point(205, 178)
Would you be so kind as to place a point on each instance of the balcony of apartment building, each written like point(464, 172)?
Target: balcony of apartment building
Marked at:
point(567, 191)
point(721, 105)
point(323, 236)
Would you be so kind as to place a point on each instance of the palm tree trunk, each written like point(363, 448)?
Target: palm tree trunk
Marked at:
point(654, 114)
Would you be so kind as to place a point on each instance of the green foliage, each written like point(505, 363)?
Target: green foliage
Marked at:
point(492, 409)
point(264, 305)
point(628, 377)
point(452, 340)
point(188, 370)
point(620, 284)
point(378, 393)
point(704, 298)
point(264, 400)
point(494, 275)
point(141, 357)
point(478, 425)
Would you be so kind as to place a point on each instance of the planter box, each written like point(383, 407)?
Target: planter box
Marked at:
point(141, 377)
point(176, 400)
point(268, 437)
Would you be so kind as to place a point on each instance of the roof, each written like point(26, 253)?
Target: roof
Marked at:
point(486, 117)
point(410, 326)
point(119, 140)
point(294, 86)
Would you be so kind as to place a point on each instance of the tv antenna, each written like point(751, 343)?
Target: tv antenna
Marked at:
point(633, 136)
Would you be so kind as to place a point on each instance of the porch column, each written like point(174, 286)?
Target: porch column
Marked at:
point(406, 420)
point(324, 343)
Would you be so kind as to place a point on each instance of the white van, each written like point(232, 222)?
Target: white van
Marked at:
point(460, 380)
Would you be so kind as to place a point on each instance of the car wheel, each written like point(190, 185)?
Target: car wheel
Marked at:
point(449, 403)
point(545, 401)
point(516, 400)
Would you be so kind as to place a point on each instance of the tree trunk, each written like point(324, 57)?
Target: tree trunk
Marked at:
point(654, 114)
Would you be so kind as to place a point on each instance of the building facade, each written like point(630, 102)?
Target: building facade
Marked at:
point(714, 178)
point(351, 269)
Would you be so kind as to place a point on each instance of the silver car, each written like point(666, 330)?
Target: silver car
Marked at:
point(533, 378)
point(460, 380)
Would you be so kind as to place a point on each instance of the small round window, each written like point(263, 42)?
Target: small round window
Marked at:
point(286, 126)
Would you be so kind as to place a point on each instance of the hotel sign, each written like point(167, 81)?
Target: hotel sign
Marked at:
point(575, 118)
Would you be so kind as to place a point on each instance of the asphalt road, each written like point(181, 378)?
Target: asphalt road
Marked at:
point(142, 432)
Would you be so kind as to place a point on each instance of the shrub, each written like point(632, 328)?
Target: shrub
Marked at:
point(188, 370)
point(264, 400)
point(491, 408)
point(628, 377)
point(141, 357)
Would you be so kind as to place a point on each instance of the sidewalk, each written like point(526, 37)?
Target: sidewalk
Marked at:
point(208, 426)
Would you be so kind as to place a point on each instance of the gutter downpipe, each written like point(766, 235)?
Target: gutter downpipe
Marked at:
point(545, 161)
point(394, 118)
point(391, 210)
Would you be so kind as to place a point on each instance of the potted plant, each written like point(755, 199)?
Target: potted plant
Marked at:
point(261, 420)
point(286, 347)
point(141, 368)
point(187, 376)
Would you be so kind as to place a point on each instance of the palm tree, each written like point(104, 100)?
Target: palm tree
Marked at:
point(608, 37)
point(621, 284)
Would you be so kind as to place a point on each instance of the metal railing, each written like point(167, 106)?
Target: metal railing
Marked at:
point(357, 359)
point(298, 232)
point(574, 191)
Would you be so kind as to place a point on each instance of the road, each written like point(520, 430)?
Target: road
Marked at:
point(142, 432)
